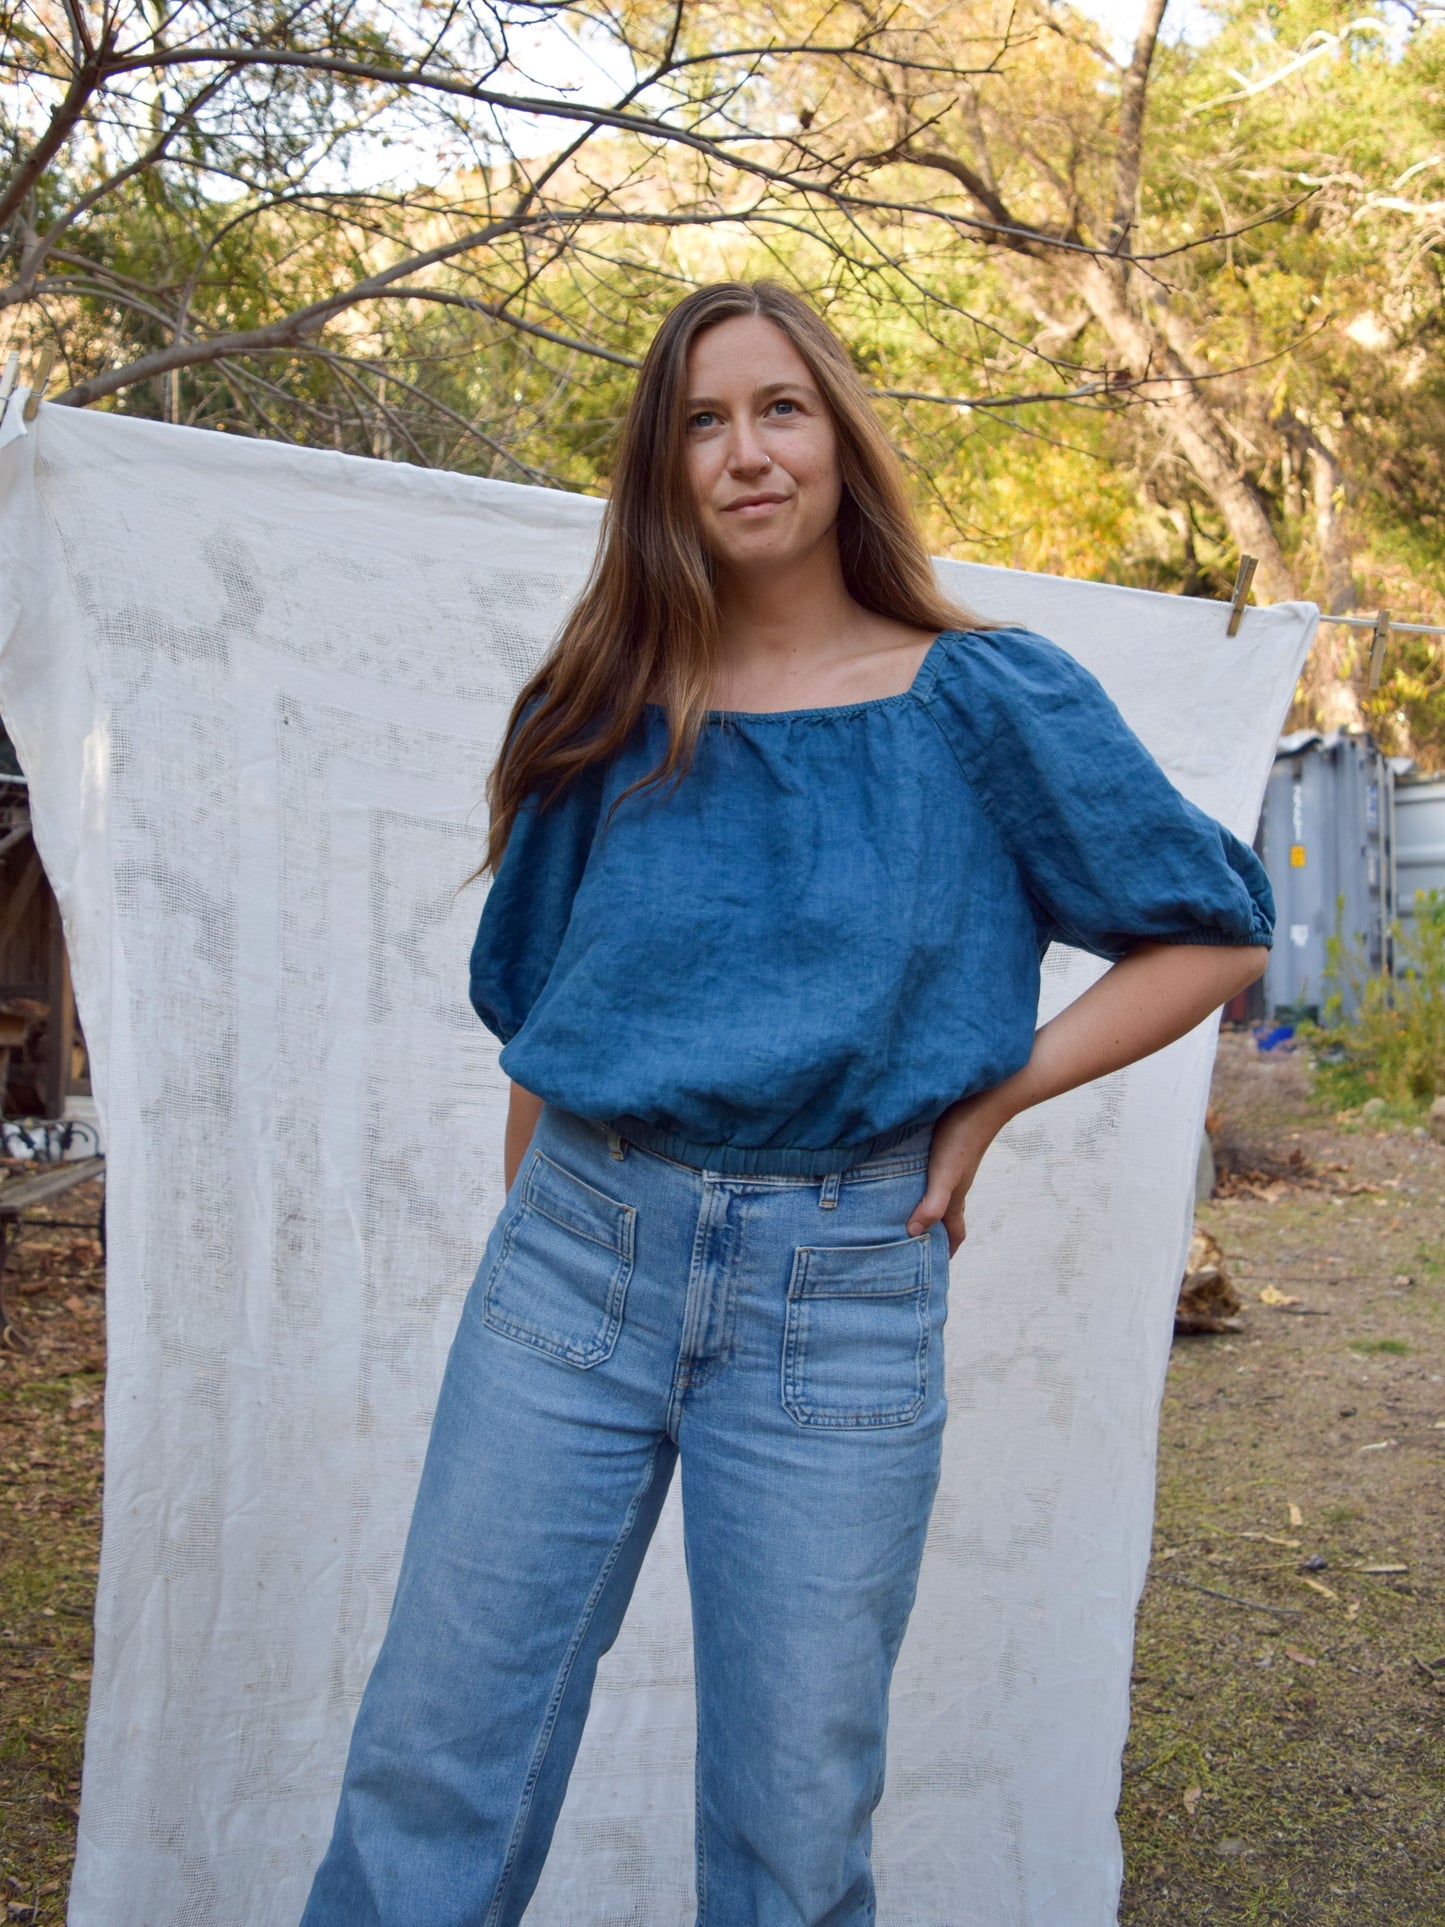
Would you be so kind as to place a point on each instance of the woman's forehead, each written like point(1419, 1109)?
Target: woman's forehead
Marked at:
point(747, 352)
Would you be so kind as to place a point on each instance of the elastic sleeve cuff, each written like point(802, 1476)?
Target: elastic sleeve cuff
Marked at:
point(1257, 939)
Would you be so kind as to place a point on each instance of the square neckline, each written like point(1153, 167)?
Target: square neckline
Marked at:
point(923, 675)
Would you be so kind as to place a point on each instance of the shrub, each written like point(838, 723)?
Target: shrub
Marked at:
point(1392, 1045)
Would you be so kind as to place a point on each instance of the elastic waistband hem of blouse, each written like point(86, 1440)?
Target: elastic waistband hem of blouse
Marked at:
point(736, 1160)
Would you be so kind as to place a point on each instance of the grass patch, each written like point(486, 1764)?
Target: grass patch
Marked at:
point(1392, 1347)
point(1342, 1088)
point(1337, 1516)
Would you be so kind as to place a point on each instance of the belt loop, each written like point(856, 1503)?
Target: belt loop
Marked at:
point(614, 1142)
point(828, 1191)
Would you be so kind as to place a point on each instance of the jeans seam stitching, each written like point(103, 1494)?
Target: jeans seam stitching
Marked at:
point(699, 1847)
point(795, 1354)
point(614, 1304)
point(682, 1372)
point(564, 1674)
point(623, 1212)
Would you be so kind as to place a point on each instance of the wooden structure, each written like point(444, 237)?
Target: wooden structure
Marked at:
point(42, 1054)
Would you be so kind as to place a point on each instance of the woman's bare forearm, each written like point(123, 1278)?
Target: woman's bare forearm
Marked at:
point(523, 1110)
point(1143, 1002)
point(1146, 1000)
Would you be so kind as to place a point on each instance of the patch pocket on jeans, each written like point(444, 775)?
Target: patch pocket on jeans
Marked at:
point(855, 1349)
point(560, 1275)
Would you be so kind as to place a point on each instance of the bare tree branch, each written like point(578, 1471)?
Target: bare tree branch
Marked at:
point(498, 311)
point(287, 331)
point(83, 84)
point(1133, 97)
point(35, 255)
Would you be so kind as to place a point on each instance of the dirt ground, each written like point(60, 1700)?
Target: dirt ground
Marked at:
point(50, 1445)
point(1285, 1762)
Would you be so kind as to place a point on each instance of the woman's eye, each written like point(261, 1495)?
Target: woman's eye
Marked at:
point(783, 402)
point(704, 418)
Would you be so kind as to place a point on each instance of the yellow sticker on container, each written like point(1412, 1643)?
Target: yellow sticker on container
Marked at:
point(1296, 856)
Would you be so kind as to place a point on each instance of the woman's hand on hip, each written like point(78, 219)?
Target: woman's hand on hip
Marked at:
point(1152, 995)
point(961, 1135)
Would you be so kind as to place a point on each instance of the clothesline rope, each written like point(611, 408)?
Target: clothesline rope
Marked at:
point(1380, 624)
point(1395, 628)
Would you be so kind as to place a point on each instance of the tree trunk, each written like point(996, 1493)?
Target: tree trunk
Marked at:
point(1336, 561)
point(1146, 353)
point(1326, 697)
point(1328, 692)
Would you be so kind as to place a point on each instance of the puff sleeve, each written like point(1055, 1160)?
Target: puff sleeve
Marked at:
point(529, 903)
point(1110, 851)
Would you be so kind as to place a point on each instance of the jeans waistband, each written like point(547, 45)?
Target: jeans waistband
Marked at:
point(889, 1154)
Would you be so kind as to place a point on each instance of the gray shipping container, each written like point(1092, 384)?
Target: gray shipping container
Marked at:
point(1327, 829)
point(1419, 842)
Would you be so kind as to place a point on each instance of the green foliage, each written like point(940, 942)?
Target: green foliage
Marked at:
point(1392, 1043)
point(1286, 233)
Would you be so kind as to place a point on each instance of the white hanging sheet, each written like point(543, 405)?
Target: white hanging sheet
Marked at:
point(256, 690)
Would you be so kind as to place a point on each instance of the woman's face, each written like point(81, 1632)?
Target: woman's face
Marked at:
point(762, 455)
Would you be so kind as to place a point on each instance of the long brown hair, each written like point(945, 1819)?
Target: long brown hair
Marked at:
point(647, 618)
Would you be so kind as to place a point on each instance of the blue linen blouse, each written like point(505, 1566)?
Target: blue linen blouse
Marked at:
point(833, 927)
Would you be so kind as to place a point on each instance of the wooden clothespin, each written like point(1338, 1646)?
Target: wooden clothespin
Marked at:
point(1377, 647)
point(1247, 566)
point(7, 379)
point(41, 382)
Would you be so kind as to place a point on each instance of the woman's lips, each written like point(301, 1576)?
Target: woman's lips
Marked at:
point(751, 509)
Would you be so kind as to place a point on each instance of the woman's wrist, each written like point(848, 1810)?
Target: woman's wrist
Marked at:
point(1001, 1101)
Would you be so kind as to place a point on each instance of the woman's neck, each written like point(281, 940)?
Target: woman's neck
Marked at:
point(772, 617)
point(795, 638)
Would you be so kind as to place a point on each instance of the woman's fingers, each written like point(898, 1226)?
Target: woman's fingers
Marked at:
point(947, 1205)
point(935, 1202)
point(953, 1224)
point(926, 1213)
point(960, 1138)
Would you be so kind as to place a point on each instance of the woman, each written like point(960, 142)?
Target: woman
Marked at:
point(779, 838)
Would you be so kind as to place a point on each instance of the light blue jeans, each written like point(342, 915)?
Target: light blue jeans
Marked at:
point(782, 1336)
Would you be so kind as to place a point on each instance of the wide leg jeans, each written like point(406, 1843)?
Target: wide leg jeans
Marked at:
point(781, 1337)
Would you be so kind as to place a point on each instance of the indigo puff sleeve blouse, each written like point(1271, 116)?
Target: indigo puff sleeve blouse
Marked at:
point(833, 927)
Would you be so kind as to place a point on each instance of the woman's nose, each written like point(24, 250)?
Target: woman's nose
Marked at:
point(746, 453)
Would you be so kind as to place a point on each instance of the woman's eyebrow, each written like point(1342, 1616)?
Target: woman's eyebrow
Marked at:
point(759, 394)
